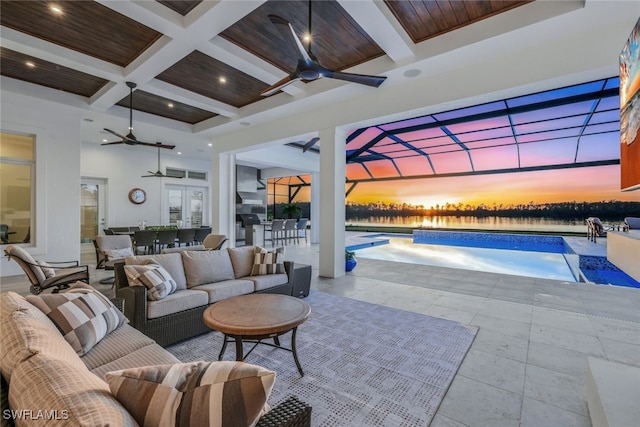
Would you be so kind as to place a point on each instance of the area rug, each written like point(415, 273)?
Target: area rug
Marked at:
point(364, 364)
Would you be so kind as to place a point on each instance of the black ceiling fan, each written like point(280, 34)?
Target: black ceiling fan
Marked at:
point(158, 173)
point(309, 68)
point(130, 138)
point(310, 143)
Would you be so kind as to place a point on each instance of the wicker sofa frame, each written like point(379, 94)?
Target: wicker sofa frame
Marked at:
point(173, 328)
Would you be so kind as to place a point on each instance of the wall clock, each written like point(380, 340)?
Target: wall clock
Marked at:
point(137, 196)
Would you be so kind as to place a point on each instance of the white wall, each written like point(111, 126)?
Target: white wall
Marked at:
point(57, 213)
point(123, 167)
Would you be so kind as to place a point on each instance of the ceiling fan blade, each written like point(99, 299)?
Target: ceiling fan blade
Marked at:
point(287, 32)
point(157, 145)
point(279, 85)
point(310, 144)
point(124, 138)
point(362, 79)
point(111, 143)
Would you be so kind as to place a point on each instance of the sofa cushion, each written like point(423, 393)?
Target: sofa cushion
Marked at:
point(154, 277)
point(27, 331)
point(124, 340)
point(206, 267)
point(197, 393)
point(71, 393)
point(151, 354)
point(83, 316)
point(170, 262)
point(267, 262)
point(268, 281)
point(242, 260)
point(226, 289)
point(176, 302)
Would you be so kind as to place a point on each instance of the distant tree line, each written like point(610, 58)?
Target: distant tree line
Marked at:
point(610, 210)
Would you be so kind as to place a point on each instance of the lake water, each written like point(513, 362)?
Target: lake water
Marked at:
point(475, 223)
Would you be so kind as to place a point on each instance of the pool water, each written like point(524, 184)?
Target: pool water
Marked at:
point(547, 265)
point(547, 257)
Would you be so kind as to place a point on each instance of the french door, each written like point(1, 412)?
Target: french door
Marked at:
point(92, 208)
point(186, 204)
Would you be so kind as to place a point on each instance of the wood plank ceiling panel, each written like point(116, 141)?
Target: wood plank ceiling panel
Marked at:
point(337, 40)
point(83, 26)
point(160, 106)
point(201, 74)
point(425, 19)
point(14, 65)
point(181, 6)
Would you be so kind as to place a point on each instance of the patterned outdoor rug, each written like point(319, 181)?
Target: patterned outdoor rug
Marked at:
point(364, 364)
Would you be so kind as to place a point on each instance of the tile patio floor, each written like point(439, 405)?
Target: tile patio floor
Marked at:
point(527, 365)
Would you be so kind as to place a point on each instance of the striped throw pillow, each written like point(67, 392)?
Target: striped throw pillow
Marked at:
point(83, 316)
point(215, 394)
point(267, 262)
point(154, 277)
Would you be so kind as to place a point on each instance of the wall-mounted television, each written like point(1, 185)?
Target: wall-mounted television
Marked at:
point(630, 112)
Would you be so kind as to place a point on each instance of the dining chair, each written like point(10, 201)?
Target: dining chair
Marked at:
point(186, 236)
point(166, 239)
point(201, 233)
point(214, 242)
point(112, 249)
point(145, 239)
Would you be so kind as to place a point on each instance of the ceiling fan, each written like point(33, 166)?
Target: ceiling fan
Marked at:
point(130, 138)
point(309, 69)
point(308, 144)
point(158, 173)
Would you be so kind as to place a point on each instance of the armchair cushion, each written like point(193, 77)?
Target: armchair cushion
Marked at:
point(196, 393)
point(156, 279)
point(119, 253)
point(47, 269)
point(31, 268)
point(206, 267)
point(83, 316)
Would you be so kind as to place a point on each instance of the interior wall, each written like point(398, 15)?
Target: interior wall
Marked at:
point(56, 231)
point(123, 167)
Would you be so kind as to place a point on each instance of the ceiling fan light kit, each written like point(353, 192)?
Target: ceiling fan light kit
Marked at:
point(308, 68)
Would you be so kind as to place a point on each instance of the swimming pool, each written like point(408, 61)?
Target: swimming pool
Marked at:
point(547, 257)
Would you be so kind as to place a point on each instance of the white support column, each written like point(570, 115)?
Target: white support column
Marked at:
point(332, 210)
point(223, 202)
point(315, 208)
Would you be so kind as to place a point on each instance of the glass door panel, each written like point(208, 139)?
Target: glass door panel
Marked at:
point(186, 204)
point(92, 218)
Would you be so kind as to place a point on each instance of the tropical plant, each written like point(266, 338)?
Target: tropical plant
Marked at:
point(349, 254)
point(292, 210)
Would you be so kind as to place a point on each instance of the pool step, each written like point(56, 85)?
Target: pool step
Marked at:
point(613, 393)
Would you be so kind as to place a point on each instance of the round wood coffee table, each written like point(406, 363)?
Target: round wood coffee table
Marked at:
point(255, 317)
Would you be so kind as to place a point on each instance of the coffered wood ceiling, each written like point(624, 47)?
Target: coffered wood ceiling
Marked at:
point(178, 51)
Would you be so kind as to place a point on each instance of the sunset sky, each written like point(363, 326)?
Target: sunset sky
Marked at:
point(581, 184)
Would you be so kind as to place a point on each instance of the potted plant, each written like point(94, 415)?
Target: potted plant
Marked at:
point(350, 260)
point(292, 210)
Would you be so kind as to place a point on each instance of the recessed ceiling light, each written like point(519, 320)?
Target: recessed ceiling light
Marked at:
point(105, 140)
point(306, 37)
point(55, 9)
point(179, 152)
point(210, 144)
point(170, 105)
point(222, 79)
point(414, 72)
point(30, 64)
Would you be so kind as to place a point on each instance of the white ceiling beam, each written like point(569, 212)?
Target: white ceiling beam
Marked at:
point(377, 20)
point(185, 96)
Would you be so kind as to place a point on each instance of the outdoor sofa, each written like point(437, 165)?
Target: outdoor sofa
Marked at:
point(87, 376)
point(202, 278)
